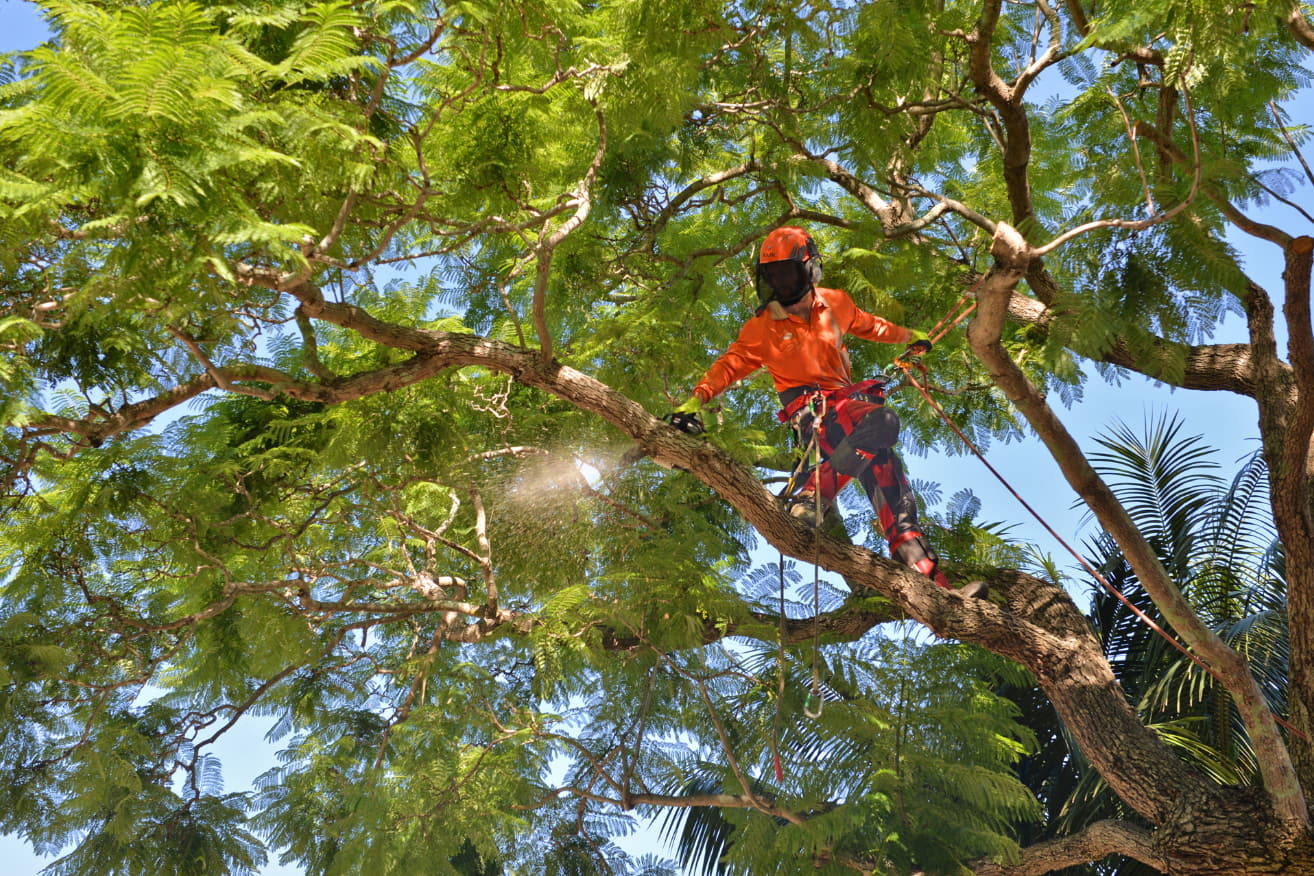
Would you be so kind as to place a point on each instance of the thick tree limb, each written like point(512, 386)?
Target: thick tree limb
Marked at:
point(1012, 256)
point(1290, 487)
point(1056, 644)
point(1007, 101)
point(1300, 27)
point(98, 428)
point(1039, 626)
point(1203, 367)
point(1101, 839)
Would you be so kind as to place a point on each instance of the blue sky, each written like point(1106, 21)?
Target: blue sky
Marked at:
point(1227, 421)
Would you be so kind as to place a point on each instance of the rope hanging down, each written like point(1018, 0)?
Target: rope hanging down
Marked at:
point(906, 365)
point(812, 704)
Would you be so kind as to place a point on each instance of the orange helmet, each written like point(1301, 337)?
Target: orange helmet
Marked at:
point(788, 266)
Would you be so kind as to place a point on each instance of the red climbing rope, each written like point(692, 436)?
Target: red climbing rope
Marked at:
point(940, 329)
point(907, 369)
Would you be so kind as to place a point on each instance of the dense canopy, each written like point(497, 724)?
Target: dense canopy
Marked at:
point(334, 342)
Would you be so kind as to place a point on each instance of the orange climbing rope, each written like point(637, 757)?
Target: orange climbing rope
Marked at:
point(940, 329)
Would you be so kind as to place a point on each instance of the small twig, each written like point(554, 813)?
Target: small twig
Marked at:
point(1286, 135)
point(1141, 225)
point(582, 200)
point(215, 374)
point(485, 546)
point(1136, 150)
point(1279, 198)
point(310, 346)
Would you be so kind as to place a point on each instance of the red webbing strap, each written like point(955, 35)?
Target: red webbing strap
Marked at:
point(940, 329)
point(871, 386)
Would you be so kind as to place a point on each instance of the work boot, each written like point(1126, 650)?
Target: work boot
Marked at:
point(975, 590)
point(913, 550)
point(802, 506)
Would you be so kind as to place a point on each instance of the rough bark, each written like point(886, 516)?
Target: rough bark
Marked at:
point(1224, 367)
point(1012, 255)
point(1289, 424)
point(1098, 841)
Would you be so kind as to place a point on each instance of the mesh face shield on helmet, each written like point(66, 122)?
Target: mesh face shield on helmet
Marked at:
point(787, 267)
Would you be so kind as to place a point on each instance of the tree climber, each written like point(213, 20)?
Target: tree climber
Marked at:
point(797, 334)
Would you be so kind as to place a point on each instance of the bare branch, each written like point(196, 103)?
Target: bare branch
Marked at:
point(310, 346)
point(1136, 150)
point(1052, 51)
point(485, 548)
point(101, 426)
point(1142, 224)
point(1234, 215)
point(581, 199)
point(1286, 135)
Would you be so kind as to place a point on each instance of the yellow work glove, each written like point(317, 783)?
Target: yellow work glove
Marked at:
point(919, 341)
point(692, 406)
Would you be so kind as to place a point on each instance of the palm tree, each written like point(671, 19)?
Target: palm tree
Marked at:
point(1218, 541)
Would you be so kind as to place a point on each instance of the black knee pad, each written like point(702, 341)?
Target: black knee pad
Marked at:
point(878, 430)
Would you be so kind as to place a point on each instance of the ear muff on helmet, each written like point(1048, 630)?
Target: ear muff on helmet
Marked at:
point(788, 266)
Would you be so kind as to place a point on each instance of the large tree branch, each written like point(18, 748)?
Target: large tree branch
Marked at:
point(1013, 254)
point(1055, 644)
point(100, 426)
point(1288, 453)
point(1039, 626)
point(1300, 27)
point(1007, 101)
point(1041, 629)
point(1101, 839)
point(1202, 367)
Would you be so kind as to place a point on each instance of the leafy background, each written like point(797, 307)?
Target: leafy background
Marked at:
point(245, 755)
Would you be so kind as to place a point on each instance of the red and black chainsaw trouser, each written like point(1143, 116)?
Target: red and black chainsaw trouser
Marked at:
point(857, 441)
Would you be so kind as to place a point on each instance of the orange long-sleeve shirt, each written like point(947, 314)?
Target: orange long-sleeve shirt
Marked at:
point(799, 352)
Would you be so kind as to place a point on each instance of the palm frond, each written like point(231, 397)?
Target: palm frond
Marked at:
point(1164, 482)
